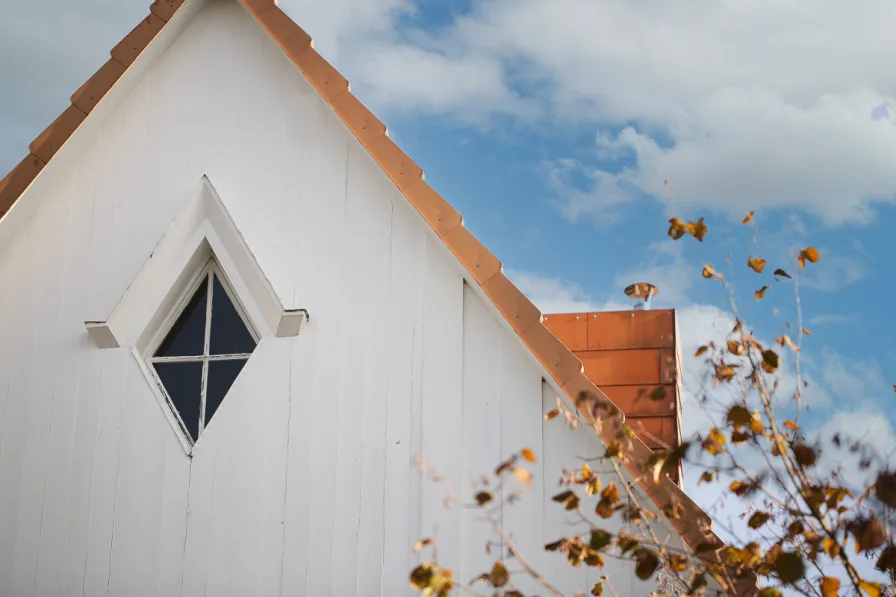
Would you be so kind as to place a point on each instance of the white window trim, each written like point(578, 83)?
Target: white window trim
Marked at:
point(204, 276)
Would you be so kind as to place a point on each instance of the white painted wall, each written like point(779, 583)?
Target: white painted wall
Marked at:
point(303, 483)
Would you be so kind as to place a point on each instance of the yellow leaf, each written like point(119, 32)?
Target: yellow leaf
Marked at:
point(757, 264)
point(528, 454)
point(810, 254)
point(598, 589)
point(805, 331)
point(708, 271)
point(748, 218)
point(499, 575)
point(523, 476)
point(697, 229)
point(703, 349)
point(676, 228)
point(760, 293)
point(791, 425)
point(872, 588)
point(735, 347)
point(829, 586)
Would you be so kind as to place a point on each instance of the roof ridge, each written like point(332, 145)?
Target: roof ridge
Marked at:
point(522, 315)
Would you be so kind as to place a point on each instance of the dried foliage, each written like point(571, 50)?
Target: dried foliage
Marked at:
point(812, 531)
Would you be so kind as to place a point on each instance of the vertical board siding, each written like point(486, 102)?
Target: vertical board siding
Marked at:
point(304, 482)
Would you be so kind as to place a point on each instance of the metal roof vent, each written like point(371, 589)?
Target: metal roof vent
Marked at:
point(641, 292)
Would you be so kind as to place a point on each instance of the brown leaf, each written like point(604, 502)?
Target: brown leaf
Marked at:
point(529, 455)
point(805, 331)
point(599, 539)
point(703, 349)
point(791, 425)
point(869, 533)
point(804, 455)
point(706, 477)
point(483, 497)
point(760, 294)
point(769, 592)
point(790, 567)
point(708, 271)
point(757, 264)
point(738, 416)
point(550, 415)
point(614, 449)
point(780, 272)
point(499, 575)
point(714, 442)
point(830, 586)
point(885, 488)
point(677, 228)
point(887, 560)
point(770, 361)
point(646, 563)
point(748, 218)
point(421, 576)
point(598, 589)
point(786, 341)
point(758, 519)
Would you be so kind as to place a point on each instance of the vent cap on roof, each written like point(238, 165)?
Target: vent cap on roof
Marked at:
point(642, 292)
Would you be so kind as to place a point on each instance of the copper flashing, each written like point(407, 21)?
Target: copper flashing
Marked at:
point(483, 267)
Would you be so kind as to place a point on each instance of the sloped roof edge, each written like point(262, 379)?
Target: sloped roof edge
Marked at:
point(525, 319)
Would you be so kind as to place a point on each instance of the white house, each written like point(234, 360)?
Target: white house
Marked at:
point(232, 314)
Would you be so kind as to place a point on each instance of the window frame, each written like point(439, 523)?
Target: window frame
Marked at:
point(206, 276)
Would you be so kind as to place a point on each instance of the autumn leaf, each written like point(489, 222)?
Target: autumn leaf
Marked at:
point(714, 442)
point(499, 575)
point(706, 477)
point(735, 347)
point(483, 497)
point(869, 533)
point(598, 589)
point(523, 476)
point(786, 341)
point(646, 563)
point(885, 488)
point(804, 455)
point(759, 294)
point(708, 271)
point(887, 560)
point(738, 416)
point(569, 498)
point(550, 415)
point(748, 218)
point(529, 455)
point(758, 519)
point(829, 586)
point(872, 588)
point(769, 592)
point(698, 229)
point(790, 567)
point(810, 254)
point(770, 361)
point(780, 272)
point(614, 449)
point(676, 228)
point(421, 544)
point(757, 264)
point(421, 576)
point(805, 331)
point(703, 349)
point(791, 425)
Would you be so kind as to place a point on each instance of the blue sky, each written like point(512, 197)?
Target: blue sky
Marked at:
point(553, 126)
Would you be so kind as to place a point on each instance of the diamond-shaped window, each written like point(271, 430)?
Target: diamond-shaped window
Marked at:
point(203, 352)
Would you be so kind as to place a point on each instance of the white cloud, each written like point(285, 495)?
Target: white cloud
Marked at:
point(555, 295)
point(728, 121)
point(833, 319)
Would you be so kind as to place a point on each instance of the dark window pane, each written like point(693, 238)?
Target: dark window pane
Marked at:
point(221, 375)
point(229, 334)
point(187, 336)
point(183, 382)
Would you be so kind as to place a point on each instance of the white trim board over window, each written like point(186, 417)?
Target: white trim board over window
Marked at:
point(201, 349)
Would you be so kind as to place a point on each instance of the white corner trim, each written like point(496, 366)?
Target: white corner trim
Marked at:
point(201, 230)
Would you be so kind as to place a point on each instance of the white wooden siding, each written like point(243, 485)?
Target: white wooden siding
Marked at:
point(303, 484)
